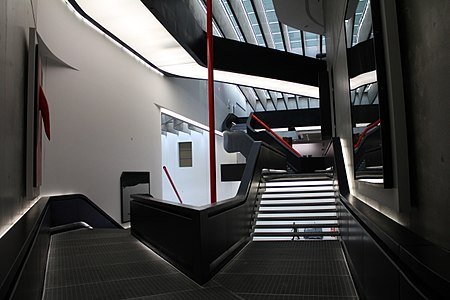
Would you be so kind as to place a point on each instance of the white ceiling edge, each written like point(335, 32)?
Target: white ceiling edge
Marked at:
point(363, 79)
point(136, 26)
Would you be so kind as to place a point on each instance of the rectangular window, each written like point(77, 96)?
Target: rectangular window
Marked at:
point(185, 154)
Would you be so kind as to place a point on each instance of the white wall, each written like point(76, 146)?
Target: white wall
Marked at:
point(103, 117)
point(192, 183)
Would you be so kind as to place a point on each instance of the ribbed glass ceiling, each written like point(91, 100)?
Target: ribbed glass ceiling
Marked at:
point(256, 22)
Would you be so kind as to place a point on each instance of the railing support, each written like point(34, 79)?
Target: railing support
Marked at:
point(173, 184)
point(212, 137)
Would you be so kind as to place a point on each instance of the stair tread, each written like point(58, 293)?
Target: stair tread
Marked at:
point(296, 211)
point(328, 233)
point(281, 226)
point(299, 198)
point(284, 177)
point(299, 218)
point(298, 186)
point(297, 192)
point(328, 203)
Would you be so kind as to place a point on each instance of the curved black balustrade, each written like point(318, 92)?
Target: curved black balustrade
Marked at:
point(199, 241)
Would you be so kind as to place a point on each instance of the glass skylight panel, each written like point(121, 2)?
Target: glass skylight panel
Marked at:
point(232, 18)
point(295, 40)
point(216, 30)
point(360, 11)
point(312, 44)
point(274, 24)
point(324, 45)
point(253, 20)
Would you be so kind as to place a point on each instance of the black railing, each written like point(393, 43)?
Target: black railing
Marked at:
point(201, 240)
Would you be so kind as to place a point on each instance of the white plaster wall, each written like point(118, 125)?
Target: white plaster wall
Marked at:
point(193, 183)
point(104, 117)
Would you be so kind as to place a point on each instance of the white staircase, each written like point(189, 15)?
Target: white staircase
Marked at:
point(308, 200)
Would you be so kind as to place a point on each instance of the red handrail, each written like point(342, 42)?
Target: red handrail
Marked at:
point(274, 134)
point(363, 134)
point(173, 185)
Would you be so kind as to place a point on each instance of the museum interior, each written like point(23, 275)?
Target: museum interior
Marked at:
point(224, 149)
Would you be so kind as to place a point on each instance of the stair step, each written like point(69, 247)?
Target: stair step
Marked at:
point(290, 226)
point(299, 218)
point(291, 234)
point(299, 192)
point(292, 203)
point(293, 186)
point(299, 211)
point(293, 197)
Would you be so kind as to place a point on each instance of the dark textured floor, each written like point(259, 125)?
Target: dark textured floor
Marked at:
point(111, 264)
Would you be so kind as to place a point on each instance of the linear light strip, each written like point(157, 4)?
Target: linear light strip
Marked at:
point(98, 30)
point(21, 213)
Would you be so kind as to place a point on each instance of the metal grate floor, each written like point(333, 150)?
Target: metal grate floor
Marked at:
point(111, 264)
point(289, 270)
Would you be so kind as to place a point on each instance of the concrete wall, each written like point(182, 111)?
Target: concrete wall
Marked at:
point(424, 28)
point(16, 16)
point(105, 116)
point(393, 202)
point(417, 52)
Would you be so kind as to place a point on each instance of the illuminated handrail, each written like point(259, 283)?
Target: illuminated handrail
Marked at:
point(276, 136)
point(363, 134)
point(171, 182)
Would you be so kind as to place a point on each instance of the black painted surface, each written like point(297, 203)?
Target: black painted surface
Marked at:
point(29, 285)
point(290, 118)
point(325, 106)
point(15, 246)
point(361, 58)
point(74, 208)
point(201, 240)
point(298, 163)
point(131, 183)
point(231, 172)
